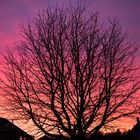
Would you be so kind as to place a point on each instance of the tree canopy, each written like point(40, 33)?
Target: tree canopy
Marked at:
point(71, 75)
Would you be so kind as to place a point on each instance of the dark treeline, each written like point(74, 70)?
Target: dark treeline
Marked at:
point(118, 135)
point(133, 134)
point(112, 136)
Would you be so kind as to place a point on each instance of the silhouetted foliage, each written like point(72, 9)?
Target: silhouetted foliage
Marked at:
point(101, 136)
point(134, 133)
point(71, 75)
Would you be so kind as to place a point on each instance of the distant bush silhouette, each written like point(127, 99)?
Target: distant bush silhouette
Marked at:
point(118, 135)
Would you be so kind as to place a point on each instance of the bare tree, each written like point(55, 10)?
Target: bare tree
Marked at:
point(71, 75)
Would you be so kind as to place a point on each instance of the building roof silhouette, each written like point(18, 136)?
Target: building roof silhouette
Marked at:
point(9, 131)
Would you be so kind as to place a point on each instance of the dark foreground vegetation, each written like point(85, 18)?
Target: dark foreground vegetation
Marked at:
point(100, 136)
point(133, 134)
point(112, 136)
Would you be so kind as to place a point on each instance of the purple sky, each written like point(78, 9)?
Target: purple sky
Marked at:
point(13, 12)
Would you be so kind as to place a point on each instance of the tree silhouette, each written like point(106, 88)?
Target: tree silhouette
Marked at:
point(71, 75)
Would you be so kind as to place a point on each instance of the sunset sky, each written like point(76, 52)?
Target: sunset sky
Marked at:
point(15, 12)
